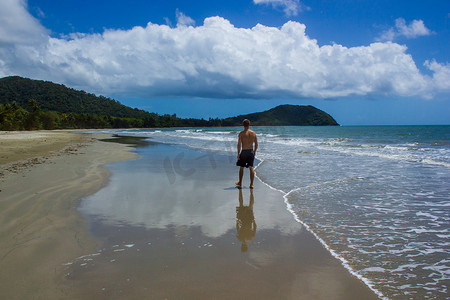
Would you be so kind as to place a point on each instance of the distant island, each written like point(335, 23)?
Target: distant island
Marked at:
point(285, 115)
point(27, 104)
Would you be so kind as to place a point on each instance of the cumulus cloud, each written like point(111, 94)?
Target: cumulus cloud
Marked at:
point(218, 60)
point(290, 7)
point(21, 35)
point(415, 29)
point(441, 74)
point(183, 20)
point(17, 25)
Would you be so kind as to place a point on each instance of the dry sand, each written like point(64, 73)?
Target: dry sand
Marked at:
point(42, 177)
point(18, 145)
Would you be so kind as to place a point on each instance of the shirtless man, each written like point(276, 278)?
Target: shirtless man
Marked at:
point(246, 140)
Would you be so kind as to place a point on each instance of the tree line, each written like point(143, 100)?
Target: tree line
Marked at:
point(32, 117)
point(27, 104)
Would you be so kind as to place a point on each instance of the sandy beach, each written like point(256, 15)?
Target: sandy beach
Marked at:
point(173, 226)
point(179, 237)
point(43, 176)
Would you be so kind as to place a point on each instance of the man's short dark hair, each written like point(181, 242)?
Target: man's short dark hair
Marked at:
point(246, 123)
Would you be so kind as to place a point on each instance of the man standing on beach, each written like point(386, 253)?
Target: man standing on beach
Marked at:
point(248, 142)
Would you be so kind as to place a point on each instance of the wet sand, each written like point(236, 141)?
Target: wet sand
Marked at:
point(42, 177)
point(171, 225)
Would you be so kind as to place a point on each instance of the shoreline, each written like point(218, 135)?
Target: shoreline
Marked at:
point(42, 229)
point(333, 253)
point(43, 176)
point(181, 241)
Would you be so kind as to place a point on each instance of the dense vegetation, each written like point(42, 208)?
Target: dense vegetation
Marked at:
point(27, 104)
point(57, 97)
point(285, 115)
point(14, 117)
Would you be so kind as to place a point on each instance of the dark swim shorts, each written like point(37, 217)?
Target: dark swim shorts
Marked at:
point(246, 158)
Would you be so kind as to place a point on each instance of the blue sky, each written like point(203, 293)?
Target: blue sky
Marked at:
point(364, 62)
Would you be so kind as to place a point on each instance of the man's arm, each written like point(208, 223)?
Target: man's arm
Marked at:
point(256, 144)
point(239, 146)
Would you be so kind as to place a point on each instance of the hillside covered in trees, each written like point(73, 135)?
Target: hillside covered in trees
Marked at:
point(27, 104)
point(285, 115)
point(57, 97)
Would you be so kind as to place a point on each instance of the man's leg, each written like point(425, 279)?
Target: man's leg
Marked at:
point(252, 176)
point(241, 174)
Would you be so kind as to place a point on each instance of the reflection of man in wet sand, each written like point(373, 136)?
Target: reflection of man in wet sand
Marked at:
point(245, 221)
point(246, 140)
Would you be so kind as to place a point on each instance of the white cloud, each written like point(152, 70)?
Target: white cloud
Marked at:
point(388, 35)
point(183, 20)
point(22, 38)
point(218, 60)
point(290, 7)
point(415, 29)
point(17, 25)
point(441, 75)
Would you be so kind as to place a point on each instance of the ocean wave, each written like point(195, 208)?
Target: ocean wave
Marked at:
point(410, 152)
point(394, 153)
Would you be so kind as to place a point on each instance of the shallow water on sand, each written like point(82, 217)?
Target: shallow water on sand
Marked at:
point(378, 197)
point(172, 225)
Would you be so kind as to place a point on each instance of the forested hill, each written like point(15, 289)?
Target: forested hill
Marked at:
point(50, 96)
point(285, 115)
point(27, 104)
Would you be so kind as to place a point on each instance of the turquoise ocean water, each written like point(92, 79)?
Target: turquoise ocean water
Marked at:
point(378, 198)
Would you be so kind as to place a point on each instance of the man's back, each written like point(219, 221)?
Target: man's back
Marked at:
point(247, 138)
